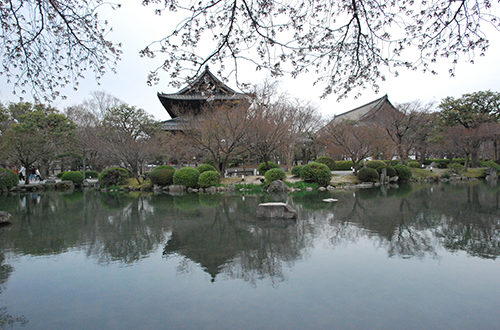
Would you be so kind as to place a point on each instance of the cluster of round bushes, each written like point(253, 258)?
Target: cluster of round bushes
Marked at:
point(203, 176)
point(296, 170)
point(8, 179)
point(368, 174)
point(413, 164)
point(403, 172)
point(316, 172)
point(264, 167)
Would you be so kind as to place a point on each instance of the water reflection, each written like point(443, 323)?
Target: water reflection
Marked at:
point(222, 235)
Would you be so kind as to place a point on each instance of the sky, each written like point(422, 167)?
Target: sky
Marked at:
point(135, 26)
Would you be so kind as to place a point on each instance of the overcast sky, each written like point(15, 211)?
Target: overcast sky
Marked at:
point(135, 26)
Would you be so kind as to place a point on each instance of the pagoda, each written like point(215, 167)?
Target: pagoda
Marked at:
point(190, 100)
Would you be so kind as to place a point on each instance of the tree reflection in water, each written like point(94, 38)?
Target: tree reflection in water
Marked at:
point(223, 236)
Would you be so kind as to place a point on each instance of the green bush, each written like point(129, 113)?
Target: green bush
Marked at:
point(162, 175)
point(113, 176)
point(60, 174)
point(206, 167)
point(491, 164)
point(8, 179)
point(75, 176)
point(263, 167)
point(413, 164)
point(404, 172)
point(91, 174)
point(375, 164)
point(296, 170)
point(368, 174)
point(208, 179)
point(446, 175)
point(456, 168)
point(328, 161)
point(316, 172)
point(343, 165)
point(187, 176)
point(392, 162)
point(275, 174)
point(391, 171)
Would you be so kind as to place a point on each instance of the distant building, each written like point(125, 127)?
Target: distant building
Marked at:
point(378, 112)
point(190, 100)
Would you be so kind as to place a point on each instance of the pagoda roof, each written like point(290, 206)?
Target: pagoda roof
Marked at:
point(205, 88)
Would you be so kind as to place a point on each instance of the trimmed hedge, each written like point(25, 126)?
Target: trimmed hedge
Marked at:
point(328, 161)
point(275, 174)
point(206, 167)
point(8, 179)
point(60, 174)
point(375, 164)
point(75, 176)
point(162, 175)
point(296, 170)
point(316, 172)
point(413, 164)
point(343, 165)
point(113, 176)
point(91, 174)
point(491, 164)
point(208, 179)
point(404, 172)
point(456, 168)
point(187, 176)
point(263, 167)
point(368, 174)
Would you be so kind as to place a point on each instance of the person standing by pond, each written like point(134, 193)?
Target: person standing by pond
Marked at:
point(22, 173)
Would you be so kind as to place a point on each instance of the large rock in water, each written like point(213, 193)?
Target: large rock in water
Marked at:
point(65, 185)
point(4, 218)
point(277, 186)
point(276, 210)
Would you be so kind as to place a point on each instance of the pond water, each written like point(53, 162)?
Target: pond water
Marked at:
point(420, 256)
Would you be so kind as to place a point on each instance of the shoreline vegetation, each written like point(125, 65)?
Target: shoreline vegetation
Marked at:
point(256, 184)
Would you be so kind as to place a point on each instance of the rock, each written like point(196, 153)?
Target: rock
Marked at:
point(394, 179)
point(377, 184)
point(276, 210)
point(211, 190)
point(166, 188)
point(309, 189)
point(277, 186)
point(65, 185)
point(364, 185)
point(330, 200)
point(321, 189)
point(49, 185)
point(176, 188)
point(330, 188)
point(50, 181)
point(221, 189)
point(4, 218)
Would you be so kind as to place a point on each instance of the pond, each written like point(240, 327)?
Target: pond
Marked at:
point(413, 257)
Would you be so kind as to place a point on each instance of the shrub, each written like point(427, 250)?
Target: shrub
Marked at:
point(404, 172)
point(375, 164)
point(391, 171)
point(392, 162)
point(206, 167)
point(316, 172)
point(413, 164)
point(164, 166)
point(162, 175)
point(456, 168)
point(91, 174)
point(368, 174)
point(8, 179)
point(275, 174)
point(343, 165)
point(60, 174)
point(208, 179)
point(187, 176)
point(263, 167)
point(491, 164)
point(75, 176)
point(296, 170)
point(328, 161)
point(113, 176)
point(446, 175)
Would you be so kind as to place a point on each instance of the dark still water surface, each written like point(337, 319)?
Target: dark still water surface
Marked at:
point(417, 257)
